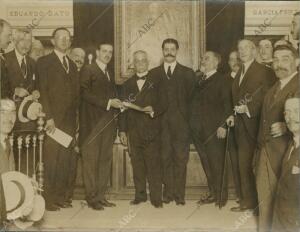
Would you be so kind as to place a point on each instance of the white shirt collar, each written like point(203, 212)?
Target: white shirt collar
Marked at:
point(296, 139)
point(210, 73)
point(173, 65)
point(60, 55)
point(101, 65)
point(20, 57)
point(247, 65)
point(142, 74)
point(285, 81)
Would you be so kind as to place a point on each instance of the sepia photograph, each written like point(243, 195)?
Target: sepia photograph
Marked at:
point(149, 115)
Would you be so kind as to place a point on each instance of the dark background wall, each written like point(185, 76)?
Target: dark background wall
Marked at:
point(94, 22)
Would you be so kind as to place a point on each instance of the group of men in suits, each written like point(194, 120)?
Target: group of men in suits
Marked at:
point(158, 113)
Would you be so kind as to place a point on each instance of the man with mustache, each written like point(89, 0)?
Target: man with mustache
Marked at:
point(286, 215)
point(179, 82)
point(98, 125)
point(78, 56)
point(59, 88)
point(273, 136)
point(5, 39)
point(248, 91)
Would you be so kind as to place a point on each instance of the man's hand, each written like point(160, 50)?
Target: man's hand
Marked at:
point(242, 109)
point(148, 109)
point(278, 129)
point(221, 133)
point(123, 138)
point(230, 121)
point(116, 103)
point(21, 92)
point(50, 126)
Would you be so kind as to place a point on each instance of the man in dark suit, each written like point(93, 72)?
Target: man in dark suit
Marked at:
point(211, 106)
point(5, 39)
point(248, 90)
point(179, 82)
point(286, 216)
point(143, 129)
point(98, 126)
point(273, 137)
point(59, 88)
point(21, 73)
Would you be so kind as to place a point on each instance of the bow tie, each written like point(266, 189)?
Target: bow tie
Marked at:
point(141, 78)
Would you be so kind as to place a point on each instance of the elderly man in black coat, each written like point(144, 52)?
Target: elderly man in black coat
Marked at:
point(248, 91)
point(211, 105)
point(143, 128)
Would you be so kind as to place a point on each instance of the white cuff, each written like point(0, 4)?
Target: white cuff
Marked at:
point(108, 105)
point(152, 114)
point(247, 112)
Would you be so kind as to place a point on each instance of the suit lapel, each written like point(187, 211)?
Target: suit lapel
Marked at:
point(17, 66)
point(247, 74)
point(58, 63)
point(293, 83)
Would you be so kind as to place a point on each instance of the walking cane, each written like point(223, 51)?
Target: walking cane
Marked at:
point(224, 167)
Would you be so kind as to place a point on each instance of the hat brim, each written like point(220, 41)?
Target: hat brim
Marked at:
point(38, 210)
point(26, 205)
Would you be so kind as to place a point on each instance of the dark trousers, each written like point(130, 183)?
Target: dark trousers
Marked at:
point(146, 165)
point(72, 175)
point(175, 155)
point(96, 162)
point(245, 149)
point(57, 164)
point(57, 168)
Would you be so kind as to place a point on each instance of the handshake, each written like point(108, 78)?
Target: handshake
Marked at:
point(118, 104)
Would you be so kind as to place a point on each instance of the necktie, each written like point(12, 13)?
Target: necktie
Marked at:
point(23, 68)
point(169, 73)
point(277, 89)
point(65, 63)
point(142, 77)
point(106, 74)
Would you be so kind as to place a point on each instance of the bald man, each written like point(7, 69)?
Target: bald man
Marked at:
point(78, 56)
point(248, 91)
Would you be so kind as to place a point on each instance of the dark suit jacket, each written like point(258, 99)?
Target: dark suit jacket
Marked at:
point(185, 79)
point(96, 91)
point(15, 76)
point(139, 124)
point(59, 90)
point(287, 200)
point(256, 82)
point(5, 86)
point(272, 112)
point(211, 105)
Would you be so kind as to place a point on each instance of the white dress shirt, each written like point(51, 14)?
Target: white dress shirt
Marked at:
point(233, 74)
point(20, 58)
point(173, 65)
point(140, 82)
point(246, 66)
point(210, 73)
point(2, 141)
point(61, 58)
point(103, 67)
